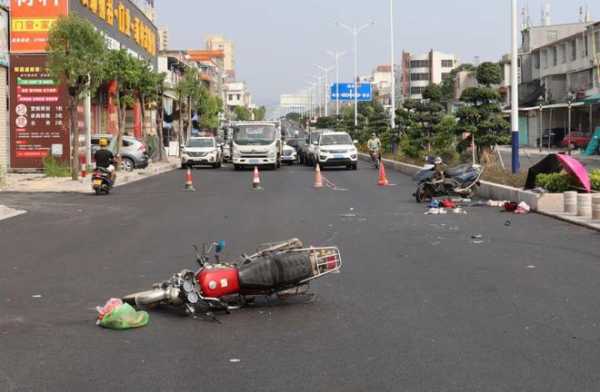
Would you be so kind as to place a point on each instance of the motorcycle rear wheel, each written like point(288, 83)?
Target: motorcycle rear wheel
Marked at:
point(423, 193)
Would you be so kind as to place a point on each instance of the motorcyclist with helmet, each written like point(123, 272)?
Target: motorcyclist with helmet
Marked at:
point(105, 159)
point(374, 146)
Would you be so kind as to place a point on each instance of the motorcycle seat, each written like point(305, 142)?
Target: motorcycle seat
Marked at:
point(269, 273)
point(457, 170)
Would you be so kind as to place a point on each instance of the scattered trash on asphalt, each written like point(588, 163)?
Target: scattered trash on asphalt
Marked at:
point(436, 211)
point(477, 239)
point(508, 223)
point(523, 208)
point(531, 267)
point(36, 296)
point(119, 316)
point(235, 360)
point(459, 210)
point(496, 203)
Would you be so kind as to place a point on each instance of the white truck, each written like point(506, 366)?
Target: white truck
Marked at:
point(256, 144)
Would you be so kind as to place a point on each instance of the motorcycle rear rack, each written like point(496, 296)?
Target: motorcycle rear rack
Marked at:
point(325, 260)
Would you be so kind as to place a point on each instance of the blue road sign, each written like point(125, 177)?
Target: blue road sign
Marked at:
point(346, 90)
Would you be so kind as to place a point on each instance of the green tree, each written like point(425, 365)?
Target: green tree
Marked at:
point(208, 108)
point(449, 84)
point(126, 71)
point(260, 113)
point(76, 53)
point(150, 90)
point(188, 93)
point(242, 113)
point(481, 116)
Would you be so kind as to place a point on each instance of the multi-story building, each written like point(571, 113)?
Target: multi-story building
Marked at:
point(218, 42)
point(381, 79)
point(163, 38)
point(419, 71)
point(237, 94)
point(560, 64)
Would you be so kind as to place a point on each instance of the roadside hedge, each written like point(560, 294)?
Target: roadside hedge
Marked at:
point(555, 182)
point(595, 177)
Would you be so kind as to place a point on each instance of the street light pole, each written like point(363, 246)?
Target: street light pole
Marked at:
point(326, 71)
point(393, 60)
point(355, 31)
point(570, 98)
point(337, 56)
point(514, 84)
point(318, 94)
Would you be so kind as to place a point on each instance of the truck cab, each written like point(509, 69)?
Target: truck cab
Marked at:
point(256, 144)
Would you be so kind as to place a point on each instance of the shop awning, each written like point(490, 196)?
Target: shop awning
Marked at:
point(593, 99)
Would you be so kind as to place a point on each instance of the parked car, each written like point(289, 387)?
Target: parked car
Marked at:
point(201, 151)
point(133, 153)
point(552, 136)
point(289, 155)
point(577, 140)
point(336, 149)
point(313, 142)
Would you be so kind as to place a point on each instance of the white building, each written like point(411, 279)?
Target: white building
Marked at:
point(237, 94)
point(163, 38)
point(218, 42)
point(419, 71)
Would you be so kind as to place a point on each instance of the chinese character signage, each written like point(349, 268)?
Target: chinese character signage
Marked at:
point(38, 113)
point(31, 21)
point(346, 92)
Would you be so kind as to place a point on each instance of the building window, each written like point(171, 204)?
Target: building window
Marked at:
point(586, 46)
point(231, 97)
point(445, 75)
point(419, 64)
point(554, 56)
point(573, 50)
point(238, 97)
point(447, 63)
point(419, 76)
point(536, 60)
point(563, 51)
point(545, 58)
point(417, 90)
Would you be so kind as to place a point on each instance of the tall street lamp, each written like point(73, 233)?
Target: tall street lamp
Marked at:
point(355, 30)
point(541, 127)
point(393, 65)
point(514, 87)
point(570, 99)
point(337, 55)
point(326, 71)
point(319, 97)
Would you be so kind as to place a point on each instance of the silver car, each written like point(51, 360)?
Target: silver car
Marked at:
point(133, 152)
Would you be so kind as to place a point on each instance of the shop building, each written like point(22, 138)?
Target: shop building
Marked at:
point(38, 105)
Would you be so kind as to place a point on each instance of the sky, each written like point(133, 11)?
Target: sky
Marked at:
point(278, 42)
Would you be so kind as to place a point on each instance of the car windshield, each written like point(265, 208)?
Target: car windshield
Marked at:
point(259, 135)
point(333, 140)
point(200, 143)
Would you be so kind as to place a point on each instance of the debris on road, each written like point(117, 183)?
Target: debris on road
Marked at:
point(37, 296)
point(119, 316)
point(235, 360)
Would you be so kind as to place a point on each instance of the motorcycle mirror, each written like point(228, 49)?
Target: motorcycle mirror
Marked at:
point(220, 246)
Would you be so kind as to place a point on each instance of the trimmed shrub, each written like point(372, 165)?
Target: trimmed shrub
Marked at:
point(595, 177)
point(555, 182)
point(55, 168)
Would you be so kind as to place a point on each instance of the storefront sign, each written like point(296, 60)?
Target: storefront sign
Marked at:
point(4, 37)
point(123, 21)
point(38, 113)
point(31, 21)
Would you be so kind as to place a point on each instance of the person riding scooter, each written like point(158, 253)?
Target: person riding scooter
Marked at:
point(105, 159)
point(374, 146)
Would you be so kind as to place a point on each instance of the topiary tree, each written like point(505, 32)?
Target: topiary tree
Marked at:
point(489, 73)
point(76, 56)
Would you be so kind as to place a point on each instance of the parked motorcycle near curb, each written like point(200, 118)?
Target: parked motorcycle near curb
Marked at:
point(284, 269)
point(461, 181)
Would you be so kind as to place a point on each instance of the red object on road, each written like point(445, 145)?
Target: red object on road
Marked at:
point(383, 181)
point(577, 139)
point(189, 184)
point(218, 282)
point(318, 177)
point(256, 179)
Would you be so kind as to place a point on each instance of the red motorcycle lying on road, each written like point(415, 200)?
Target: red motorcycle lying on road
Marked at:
point(281, 269)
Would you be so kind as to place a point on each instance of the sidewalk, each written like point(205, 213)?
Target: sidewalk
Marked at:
point(33, 183)
point(526, 151)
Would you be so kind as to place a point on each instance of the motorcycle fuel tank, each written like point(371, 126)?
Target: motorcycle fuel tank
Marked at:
point(219, 282)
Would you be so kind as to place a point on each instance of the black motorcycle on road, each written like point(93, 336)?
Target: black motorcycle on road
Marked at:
point(461, 181)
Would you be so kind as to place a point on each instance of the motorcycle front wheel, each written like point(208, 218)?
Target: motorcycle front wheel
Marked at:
point(423, 193)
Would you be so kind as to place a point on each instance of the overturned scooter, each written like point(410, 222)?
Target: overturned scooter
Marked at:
point(281, 269)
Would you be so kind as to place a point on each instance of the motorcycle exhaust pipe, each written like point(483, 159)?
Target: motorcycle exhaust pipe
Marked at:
point(153, 297)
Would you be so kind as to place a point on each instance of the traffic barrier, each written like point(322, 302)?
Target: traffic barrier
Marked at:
point(571, 203)
point(256, 179)
point(318, 177)
point(383, 181)
point(584, 205)
point(189, 183)
point(596, 207)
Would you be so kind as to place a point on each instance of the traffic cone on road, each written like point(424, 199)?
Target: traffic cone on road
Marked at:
point(256, 179)
point(318, 177)
point(189, 184)
point(383, 181)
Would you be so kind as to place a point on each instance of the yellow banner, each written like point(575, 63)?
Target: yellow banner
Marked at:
point(32, 25)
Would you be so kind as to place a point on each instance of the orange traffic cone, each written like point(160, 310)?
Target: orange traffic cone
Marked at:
point(256, 179)
point(189, 184)
point(318, 177)
point(383, 181)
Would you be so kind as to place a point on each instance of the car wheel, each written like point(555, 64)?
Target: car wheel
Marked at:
point(127, 164)
point(355, 166)
point(236, 167)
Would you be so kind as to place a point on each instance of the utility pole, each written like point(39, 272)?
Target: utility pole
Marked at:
point(393, 70)
point(355, 31)
point(337, 56)
point(514, 87)
point(326, 71)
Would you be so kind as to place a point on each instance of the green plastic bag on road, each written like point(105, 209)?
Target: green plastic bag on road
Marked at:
point(125, 317)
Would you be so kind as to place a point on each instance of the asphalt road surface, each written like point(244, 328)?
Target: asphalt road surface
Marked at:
point(419, 305)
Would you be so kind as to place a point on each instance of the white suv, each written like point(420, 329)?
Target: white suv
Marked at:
point(201, 151)
point(337, 149)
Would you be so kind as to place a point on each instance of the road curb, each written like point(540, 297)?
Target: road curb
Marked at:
point(490, 190)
